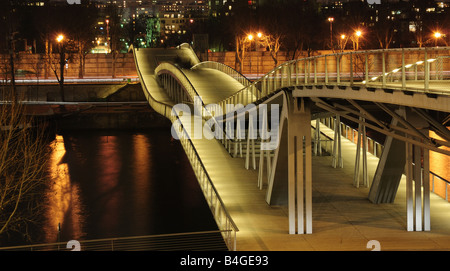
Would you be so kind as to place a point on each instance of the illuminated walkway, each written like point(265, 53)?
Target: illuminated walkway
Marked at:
point(343, 218)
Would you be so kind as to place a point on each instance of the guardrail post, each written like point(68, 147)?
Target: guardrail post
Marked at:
point(306, 71)
point(427, 71)
point(383, 67)
point(366, 68)
point(289, 74)
point(338, 73)
point(351, 69)
point(403, 69)
point(315, 70)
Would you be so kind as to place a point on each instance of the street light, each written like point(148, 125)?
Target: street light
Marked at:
point(343, 42)
point(62, 63)
point(60, 38)
point(107, 35)
point(358, 34)
point(437, 35)
point(331, 20)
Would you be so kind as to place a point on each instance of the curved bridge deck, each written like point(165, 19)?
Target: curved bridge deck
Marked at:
point(343, 217)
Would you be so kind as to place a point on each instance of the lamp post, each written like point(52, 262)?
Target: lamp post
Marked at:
point(357, 35)
point(259, 35)
point(331, 20)
point(343, 42)
point(107, 35)
point(437, 35)
point(250, 38)
point(62, 63)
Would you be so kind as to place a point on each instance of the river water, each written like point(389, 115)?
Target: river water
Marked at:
point(121, 183)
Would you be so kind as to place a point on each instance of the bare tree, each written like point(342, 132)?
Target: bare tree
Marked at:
point(242, 45)
point(23, 157)
point(273, 44)
point(384, 32)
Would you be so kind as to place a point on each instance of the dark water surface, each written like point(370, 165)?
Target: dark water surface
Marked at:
point(122, 183)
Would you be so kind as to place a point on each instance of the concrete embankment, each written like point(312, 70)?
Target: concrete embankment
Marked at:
point(93, 106)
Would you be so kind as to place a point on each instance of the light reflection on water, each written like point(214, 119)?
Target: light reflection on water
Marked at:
point(63, 197)
point(125, 184)
point(121, 184)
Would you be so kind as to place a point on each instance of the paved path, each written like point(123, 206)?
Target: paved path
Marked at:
point(343, 217)
point(222, 88)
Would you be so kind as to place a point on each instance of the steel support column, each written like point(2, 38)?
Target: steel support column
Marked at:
point(299, 167)
point(337, 153)
point(417, 188)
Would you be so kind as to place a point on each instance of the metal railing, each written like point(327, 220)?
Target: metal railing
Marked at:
point(376, 149)
point(435, 178)
point(199, 241)
point(414, 69)
point(181, 77)
point(218, 208)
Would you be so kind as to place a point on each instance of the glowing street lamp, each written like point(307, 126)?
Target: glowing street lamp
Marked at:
point(437, 35)
point(60, 38)
point(343, 42)
point(358, 35)
point(331, 20)
point(62, 63)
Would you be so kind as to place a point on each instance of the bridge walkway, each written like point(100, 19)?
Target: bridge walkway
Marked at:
point(212, 93)
point(343, 218)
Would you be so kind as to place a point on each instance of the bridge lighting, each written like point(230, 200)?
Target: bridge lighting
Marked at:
point(431, 60)
point(343, 37)
point(358, 33)
point(408, 66)
point(419, 62)
point(250, 37)
point(259, 35)
point(395, 71)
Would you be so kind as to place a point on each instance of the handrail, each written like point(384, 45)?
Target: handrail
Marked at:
point(117, 243)
point(226, 69)
point(307, 74)
point(447, 182)
point(190, 148)
point(181, 76)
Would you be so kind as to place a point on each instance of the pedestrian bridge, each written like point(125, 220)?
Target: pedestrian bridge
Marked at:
point(240, 134)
